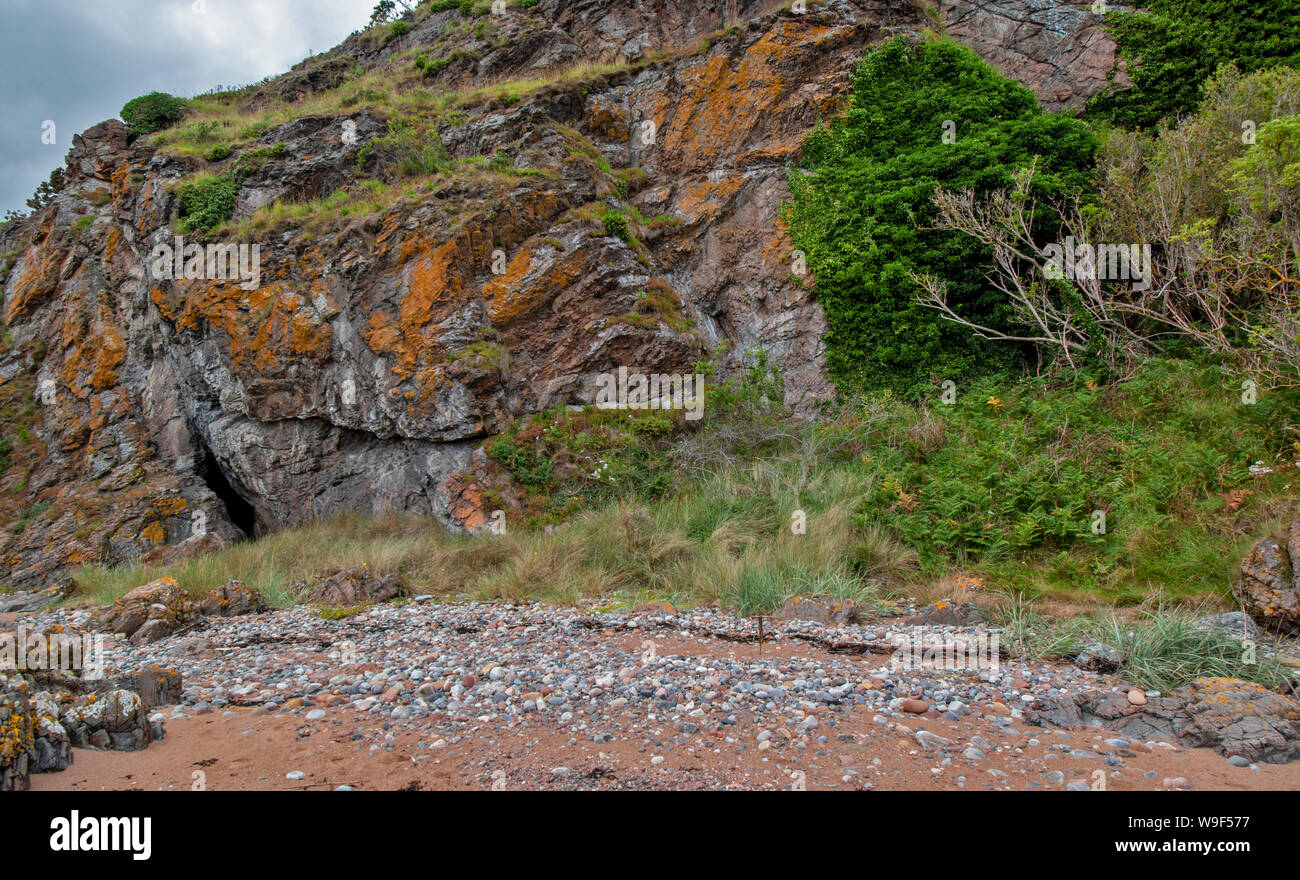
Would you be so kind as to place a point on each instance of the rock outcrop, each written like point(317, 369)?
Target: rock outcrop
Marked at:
point(378, 346)
point(147, 613)
point(1235, 718)
point(1269, 587)
point(826, 610)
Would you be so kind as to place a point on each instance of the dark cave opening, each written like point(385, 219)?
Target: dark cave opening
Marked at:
point(238, 510)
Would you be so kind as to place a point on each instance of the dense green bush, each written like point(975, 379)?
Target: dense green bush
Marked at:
point(207, 201)
point(1172, 46)
point(863, 215)
point(153, 112)
point(615, 224)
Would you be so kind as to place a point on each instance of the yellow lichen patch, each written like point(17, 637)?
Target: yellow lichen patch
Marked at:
point(110, 353)
point(40, 274)
point(111, 241)
point(307, 335)
point(174, 506)
point(435, 287)
point(153, 533)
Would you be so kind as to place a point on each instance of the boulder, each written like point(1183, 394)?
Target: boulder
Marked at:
point(1269, 589)
point(233, 599)
point(948, 613)
point(53, 746)
point(654, 608)
point(33, 600)
point(356, 586)
point(1099, 658)
point(826, 610)
point(147, 613)
point(1233, 624)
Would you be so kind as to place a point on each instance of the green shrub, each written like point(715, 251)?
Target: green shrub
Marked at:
point(615, 224)
point(864, 215)
point(207, 201)
point(1011, 472)
point(219, 152)
point(525, 465)
point(431, 66)
point(153, 112)
point(1172, 46)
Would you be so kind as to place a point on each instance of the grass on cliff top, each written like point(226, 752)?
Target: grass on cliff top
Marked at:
point(399, 89)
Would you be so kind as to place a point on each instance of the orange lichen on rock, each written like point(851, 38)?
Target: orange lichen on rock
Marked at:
point(705, 199)
point(720, 106)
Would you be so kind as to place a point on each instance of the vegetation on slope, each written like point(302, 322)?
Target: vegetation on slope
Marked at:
point(1172, 46)
point(922, 116)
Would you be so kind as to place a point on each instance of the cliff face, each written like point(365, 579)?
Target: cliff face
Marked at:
point(1056, 48)
point(378, 347)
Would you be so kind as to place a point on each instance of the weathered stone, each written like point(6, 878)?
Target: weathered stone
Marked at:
point(1099, 658)
point(233, 599)
point(1233, 624)
point(1233, 717)
point(1057, 48)
point(147, 613)
point(357, 587)
point(827, 610)
point(18, 724)
point(948, 613)
point(654, 608)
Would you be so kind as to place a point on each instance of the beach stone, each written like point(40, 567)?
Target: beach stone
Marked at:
point(1099, 658)
point(233, 599)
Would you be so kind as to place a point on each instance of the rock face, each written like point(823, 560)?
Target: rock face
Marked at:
point(1269, 588)
point(1232, 717)
point(1054, 47)
point(371, 353)
point(17, 734)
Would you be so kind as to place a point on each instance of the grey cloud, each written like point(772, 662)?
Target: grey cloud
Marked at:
point(76, 63)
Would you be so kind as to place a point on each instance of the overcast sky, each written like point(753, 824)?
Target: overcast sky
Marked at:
point(76, 62)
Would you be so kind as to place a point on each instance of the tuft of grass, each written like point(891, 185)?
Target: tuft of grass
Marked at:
point(1161, 646)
